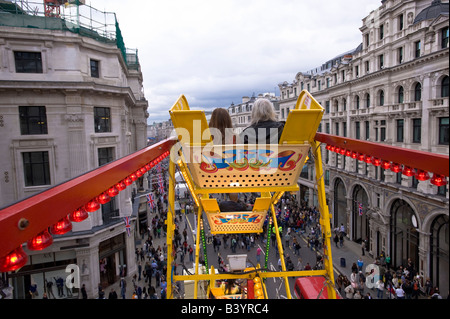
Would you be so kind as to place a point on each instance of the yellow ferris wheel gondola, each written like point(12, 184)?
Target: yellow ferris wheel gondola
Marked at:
point(270, 170)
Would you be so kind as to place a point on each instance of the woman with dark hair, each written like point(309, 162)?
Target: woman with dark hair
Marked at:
point(221, 127)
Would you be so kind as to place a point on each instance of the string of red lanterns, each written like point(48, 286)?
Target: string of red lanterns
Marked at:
point(17, 258)
point(421, 175)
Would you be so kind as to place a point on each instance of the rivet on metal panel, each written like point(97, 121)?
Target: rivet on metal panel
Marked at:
point(23, 223)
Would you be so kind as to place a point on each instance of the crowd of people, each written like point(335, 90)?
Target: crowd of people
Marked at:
point(293, 221)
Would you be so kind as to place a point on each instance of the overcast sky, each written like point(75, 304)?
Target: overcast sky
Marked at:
point(216, 51)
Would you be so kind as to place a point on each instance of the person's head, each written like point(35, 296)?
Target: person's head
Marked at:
point(233, 196)
point(220, 120)
point(263, 111)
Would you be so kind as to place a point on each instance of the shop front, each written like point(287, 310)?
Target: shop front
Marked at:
point(112, 259)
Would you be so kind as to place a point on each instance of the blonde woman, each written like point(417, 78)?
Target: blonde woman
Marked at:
point(264, 126)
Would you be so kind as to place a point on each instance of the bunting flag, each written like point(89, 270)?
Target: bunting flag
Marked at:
point(150, 200)
point(360, 209)
point(161, 185)
point(127, 225)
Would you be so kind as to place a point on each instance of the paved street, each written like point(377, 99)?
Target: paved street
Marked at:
point(275, 286)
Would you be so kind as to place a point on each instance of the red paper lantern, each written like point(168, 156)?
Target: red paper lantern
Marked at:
point(422, 175)
point(342, 151)
point(138, 173)
point(128, 181)
point(92, 206)
point(367, 159)
point(113, 191)
point(385, 164)
point(133, 177)
point(120, 186)
point(143, 170)
point(408, 171)
point(348, 153)
point(14, 260)
point(438, 180)
point(376, 161)
point(337, 149)
point(354, 155)
point(78, 215)
point(103, 198)
point(61, 227)
point(396, 168)
point(148, 167)
point(361, 157)
point(40, 241)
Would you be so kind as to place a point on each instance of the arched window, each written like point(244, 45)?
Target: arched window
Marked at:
point(357, 102)
point(367, 100)
point(439, 257)
point(381, 98)
point(400, 94)
point(404, 234)
point(444, 87)
point(418, 92)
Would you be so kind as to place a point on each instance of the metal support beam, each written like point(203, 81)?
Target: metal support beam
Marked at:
point(48, 207)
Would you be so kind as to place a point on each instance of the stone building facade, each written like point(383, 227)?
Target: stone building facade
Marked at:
point(69, 103)
point(394, 89)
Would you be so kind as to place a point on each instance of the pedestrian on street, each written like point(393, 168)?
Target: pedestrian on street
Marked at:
point(341, 239)
point(258, 255)
point(336, 240)
point(380, 289)
point(363, 247)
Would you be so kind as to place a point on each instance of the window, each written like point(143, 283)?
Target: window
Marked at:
point(367, 66)
point(344, 129)
point(367, 100)
point(418, 92)
point(400, 22)
point(367, 124)
point(366, 37)
point(383, 130)
point(102, 119)
point(400, 55)
point(417, 126)
point(33, 120)
point(443, 131)
point(381, 32)
point(327, 107)
point(400, 126)
point(417, 49)
point(357, 71)
point(327, 128)
point(36, 168)
point(95, 70)
point(381, 61)
point(400, 95)
point(337, 128)
point(357, 102)
point(357, 131)
point(105, 155)
point(381, 98)
point(28, 62)
point(444, 87)
point(444, 38)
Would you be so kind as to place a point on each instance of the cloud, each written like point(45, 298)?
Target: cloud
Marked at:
point(215, 52)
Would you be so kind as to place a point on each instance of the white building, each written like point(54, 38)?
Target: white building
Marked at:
point(71, 100)
point(393, 88)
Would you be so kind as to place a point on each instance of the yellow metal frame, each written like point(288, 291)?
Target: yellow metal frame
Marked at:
point(193, 132)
